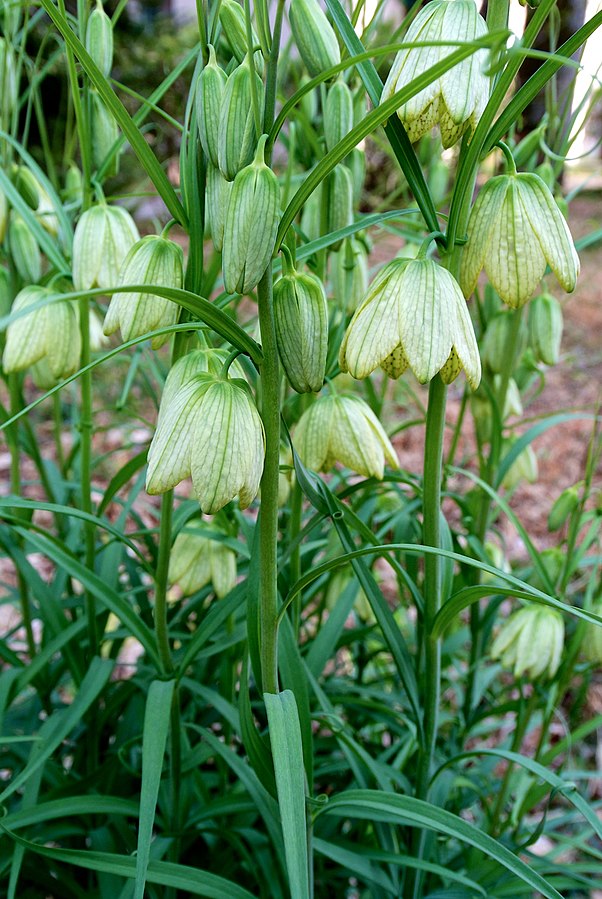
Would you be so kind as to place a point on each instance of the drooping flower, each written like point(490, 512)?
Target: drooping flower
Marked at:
point(343, 429)
point(531, 642)
point(516, 229)
point(103, 236)
point(197, 560)
point(414, 315)
point(48, 337)
point(592, 638)
point(154, 260)
point(455, 100)
point(212, 432)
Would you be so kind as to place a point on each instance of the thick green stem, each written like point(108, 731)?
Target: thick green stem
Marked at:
point(85, 426)
point(431, 503)
point(268, 524)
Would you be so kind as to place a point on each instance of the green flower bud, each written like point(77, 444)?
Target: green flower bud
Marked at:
point(99, 39)
point(217, 198)
point(8, 81)
point(314, 36)
point(301, 317)
point(197, 560)
point(592, 638)
point(563, 507)
point(48, 335)
point(350, 273)
point(531, 642)
point(524, 468)
point(309, 101)
point(338, 113)
point(414, 315)
point(233, 22)
point(340, 200)
point(237, 135)
point(545, 328)
point(456, 100)
point(73, 184)
point(212, 432)
point(343, 429)
point(209, 97)
point(311, 215)
point(103, 237)
point(356, 163)
point(104, 133)
point(27, 185)
point(251, 224)
point(495, 341)
point(516, 229)
point(24, 250)
point(154, 260)
point(513, 404)
point(6, 292)
point(4, 215)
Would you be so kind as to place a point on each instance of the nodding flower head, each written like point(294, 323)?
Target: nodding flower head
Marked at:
point(102, 239)
point(531, 641)
point(197, 560)
point(455, 100)
point(414, 315)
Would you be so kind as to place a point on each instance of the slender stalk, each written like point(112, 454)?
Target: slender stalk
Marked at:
point(268, 524)
point(160, 614)
point(523, 719)
point(270, 414)
point(430, 646)
point(85, 426)
point(15, 487)
point(58, 427)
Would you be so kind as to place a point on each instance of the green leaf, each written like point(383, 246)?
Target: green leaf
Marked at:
point(154, 738)
point(61, 723)
point(145, 155)
point(287, 751)
point(568, 790)
point(46, 243)
point(374, 805)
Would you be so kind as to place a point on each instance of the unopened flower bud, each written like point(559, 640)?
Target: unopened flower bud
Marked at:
point(27, 185)
point(314, 36)
point(154, 260)
point(563, 507)
point(545, 328)
point(524, 468)
point(340, 200)
point(301, 318)
point(104, 132)
point(99, 39)
point(8, 82)
point(73, 184)
point(454, 101)
point(356, 163)
point(233, 22)
point(592, 638)
point(217, 198)
point(516, 229)
point(350, 273)
point(48, 335)
point(103, 237)
point(531, 642)
point(218, 434)
point(197, 560)
point(209, 97)
point(338, 113)
point(237, 136)
point(251, 224)
point(343, 429)
point(311, 214)
point(24, 250)
point(4, 215)
point(414, 315)
point(495, 342)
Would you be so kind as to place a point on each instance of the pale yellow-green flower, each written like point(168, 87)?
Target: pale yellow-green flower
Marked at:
point(343, 429)
point(197, 560)
point(454, 101)
point(48, 336)
point(210, 431)
point(154, 260)
point(516, 229)
point(531, 642)
point(103, 236)
point(592, 638)
point(414, 315)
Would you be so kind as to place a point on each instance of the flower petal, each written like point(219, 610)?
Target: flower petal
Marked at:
point(170, 449)
point(426, 317)
point(481, 225)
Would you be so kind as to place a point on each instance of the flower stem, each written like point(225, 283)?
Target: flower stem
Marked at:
point(431, 527)
point(268, 523)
